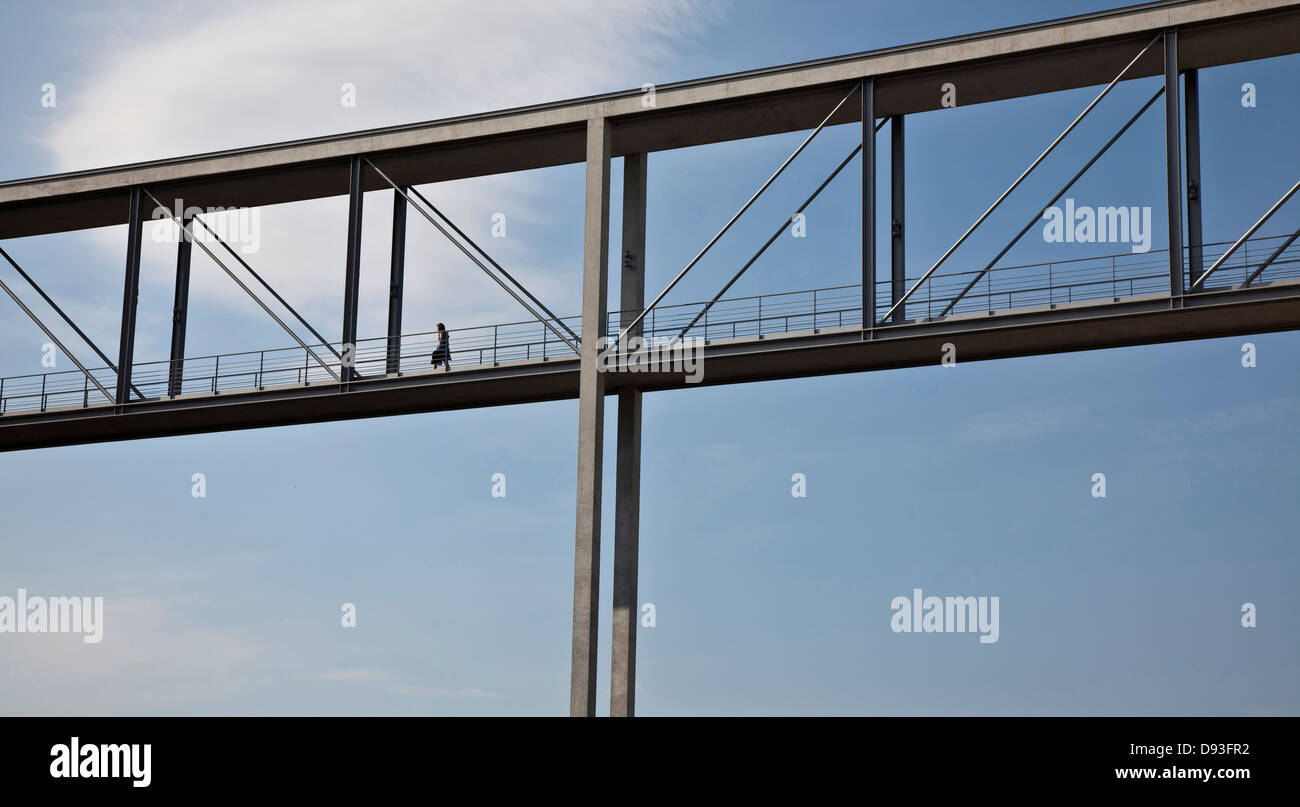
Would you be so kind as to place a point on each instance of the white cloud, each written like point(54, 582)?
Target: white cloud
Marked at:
point(244, 73)
point(209, 77)
point(153, 658)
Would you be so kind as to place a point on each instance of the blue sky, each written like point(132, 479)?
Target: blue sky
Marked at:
point(973, 480)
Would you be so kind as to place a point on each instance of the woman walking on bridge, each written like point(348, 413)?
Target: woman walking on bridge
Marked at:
point(442, 355)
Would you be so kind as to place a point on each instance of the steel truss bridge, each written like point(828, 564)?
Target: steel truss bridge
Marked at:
point(1187, 290)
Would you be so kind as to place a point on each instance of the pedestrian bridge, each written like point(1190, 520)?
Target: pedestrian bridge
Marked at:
point(1262, 269)
point(1189, 290)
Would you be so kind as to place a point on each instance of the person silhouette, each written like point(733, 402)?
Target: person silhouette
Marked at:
point(442, 354)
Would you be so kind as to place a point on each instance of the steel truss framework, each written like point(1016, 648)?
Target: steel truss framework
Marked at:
point(873, 325)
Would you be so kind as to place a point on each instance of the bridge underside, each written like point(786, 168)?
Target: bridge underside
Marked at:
point(977, 337)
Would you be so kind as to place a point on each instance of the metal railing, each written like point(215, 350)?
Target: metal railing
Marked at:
point(1084, 279)
point(1110, 277)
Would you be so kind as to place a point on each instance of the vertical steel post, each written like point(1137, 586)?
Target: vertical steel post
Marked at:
point(591, 424)
point(1173, 167)
point(627, 484)
point(1192, 133)
point(352, 278)
point(898, 262)
point(396, 282)
point(180, 310)
point(130, 297)
point(868, 205)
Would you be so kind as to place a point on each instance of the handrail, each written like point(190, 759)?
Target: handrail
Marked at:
point(473, 259)
point(239, 282)
point(1075, 279)
point(996, 204)
point(1246, 235)
point(71, 323)
point(623, 334)
point(1038, 217)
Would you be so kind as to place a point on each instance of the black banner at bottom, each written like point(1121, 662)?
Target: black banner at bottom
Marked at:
point(333, 756)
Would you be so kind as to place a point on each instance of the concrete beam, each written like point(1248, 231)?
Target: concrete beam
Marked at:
point(591, 424)
point(627, 495)
point(1014, 62)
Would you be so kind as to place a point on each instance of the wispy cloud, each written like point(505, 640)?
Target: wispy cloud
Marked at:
point(370, 675)
point(1022, 421)
point(225, 76)
point(416, 690)
point(364, 675)
point(155, 657)
point(1273, 412)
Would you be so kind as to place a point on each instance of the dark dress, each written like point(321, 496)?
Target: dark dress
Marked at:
point(443, 353)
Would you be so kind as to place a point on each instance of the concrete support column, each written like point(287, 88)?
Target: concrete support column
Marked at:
point(627, 495)
point(1173, 167)
point(130, 297)
point(180, 309)
point(591, 424)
